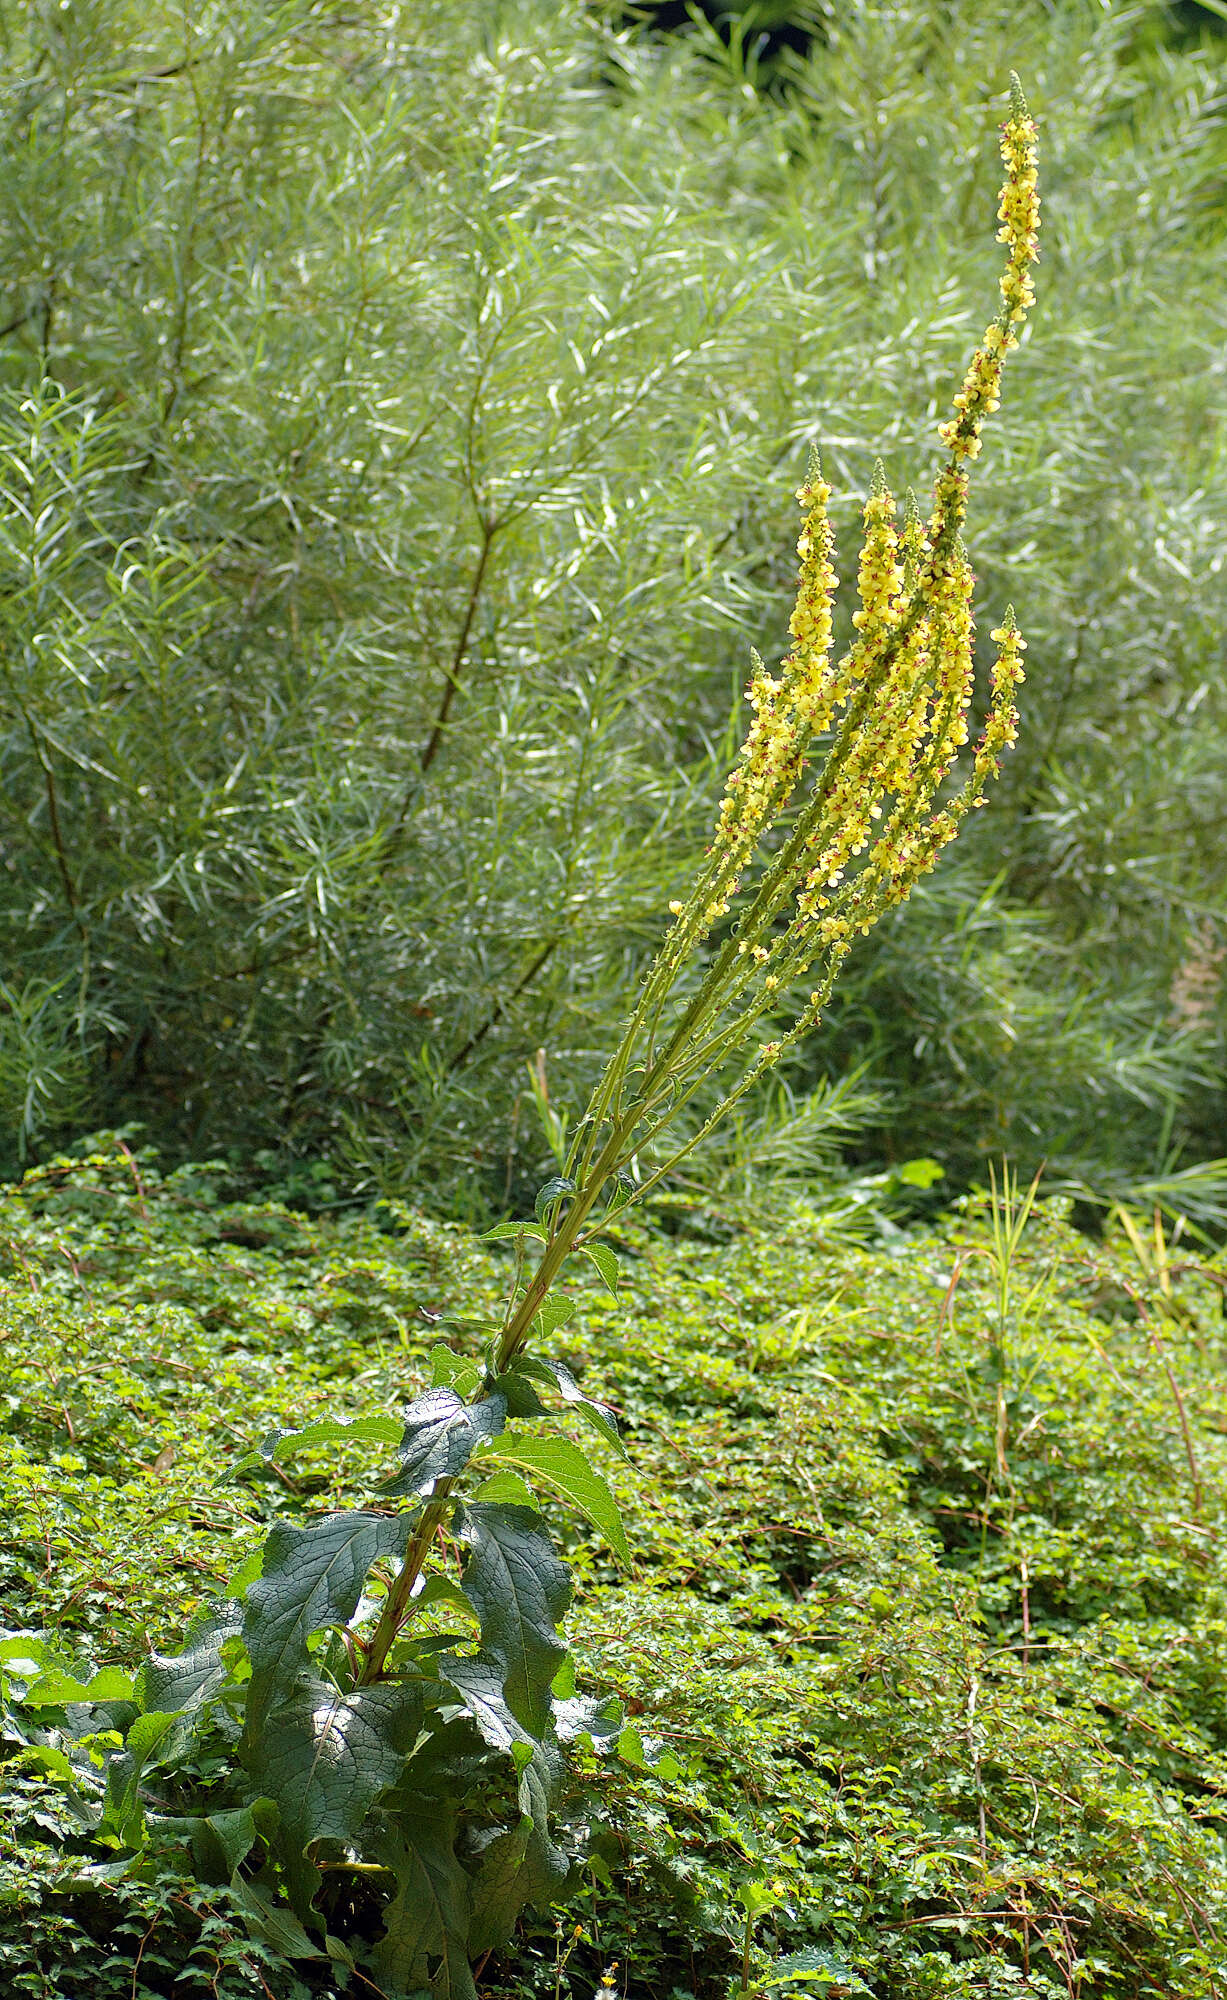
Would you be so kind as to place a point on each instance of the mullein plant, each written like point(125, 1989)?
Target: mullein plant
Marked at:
point(386, 1691)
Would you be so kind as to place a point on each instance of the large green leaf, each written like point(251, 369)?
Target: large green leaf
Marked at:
point(479, 1683)
point(152, 1739)
point(515, 1868)
point(565, 1467)
point(426, 1925)
point(440, 1434)
point(520, 1591)
point(184, 1680)
point(324, 1758)
point(312, 1579)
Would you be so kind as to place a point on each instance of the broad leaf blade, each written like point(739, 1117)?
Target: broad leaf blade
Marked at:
point(426, 1925)
point(440, 1435)
point(520, 1591)
point(312, 1579)
point(324, 1758)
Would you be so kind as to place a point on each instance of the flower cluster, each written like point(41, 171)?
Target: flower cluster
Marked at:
point(803, 868)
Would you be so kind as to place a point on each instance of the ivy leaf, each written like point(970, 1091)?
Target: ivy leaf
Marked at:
point(440, 1435)
point(324, 1758)
point(552, 1191)
point(565, 1467)
point(520, 1591)
point(312, 1579)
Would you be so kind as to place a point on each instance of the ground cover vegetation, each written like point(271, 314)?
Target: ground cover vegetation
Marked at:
point(391, 499)
point(919, 1654)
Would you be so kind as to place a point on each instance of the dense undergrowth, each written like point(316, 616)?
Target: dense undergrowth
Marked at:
point(921, 1653)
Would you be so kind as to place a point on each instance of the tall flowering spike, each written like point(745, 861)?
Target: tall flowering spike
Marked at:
point(1019, 216)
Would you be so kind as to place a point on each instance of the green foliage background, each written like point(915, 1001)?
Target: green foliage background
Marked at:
point(399, 411)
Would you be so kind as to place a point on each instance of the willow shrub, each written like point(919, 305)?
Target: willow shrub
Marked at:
point(370, 1737)
point(390, 497)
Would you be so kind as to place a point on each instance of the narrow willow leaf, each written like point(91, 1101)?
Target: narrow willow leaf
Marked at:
point(440, 1434)
point(606, 1263)
point(569, 1471)
point(520, 1592)
point(554, 1188)
point(312, 1579)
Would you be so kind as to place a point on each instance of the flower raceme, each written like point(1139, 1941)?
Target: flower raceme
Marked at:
point(803, 863)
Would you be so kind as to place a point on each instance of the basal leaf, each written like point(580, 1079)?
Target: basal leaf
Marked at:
point(565, 1467)
point(312, 1579)
point(439, 1436)
point(324, 1758)
point(520, 1591)
point(515, 1869)
point(426, 1925)
point(270, 1923)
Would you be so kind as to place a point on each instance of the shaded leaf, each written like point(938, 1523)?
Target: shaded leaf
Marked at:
point(428, 1918)
point(550, 1192)
point(598, 1416)
point(183, 1680)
